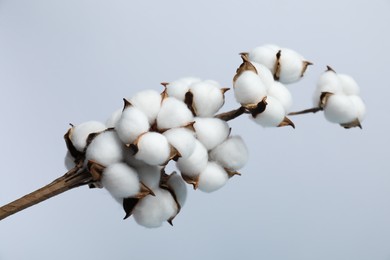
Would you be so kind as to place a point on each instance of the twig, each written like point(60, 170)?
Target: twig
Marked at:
point(231, 114)
point(306, 111)
point(72, 179)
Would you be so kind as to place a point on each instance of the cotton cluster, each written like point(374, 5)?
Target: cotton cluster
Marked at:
point(338, 95)
point(127, 155)
point(260, 90)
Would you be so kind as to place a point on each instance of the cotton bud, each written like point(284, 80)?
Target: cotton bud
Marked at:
point(120, 180)
point(114, 118)
point(149, 102)
point(132, 123)
point(348, 84)
point(207, 98)
point(180, 87)
point(152, 148)
point(149, 175)
point(173, 113)
point(153, 211)
point(106, 148)
point(274, 114)
point(211, 131)
point(282, 94)
point(232, 154)
point(182, 139)
point(78, 134)
point(328, 82)
point(212, 178)
point(248, 86)
point(291, 66)
point(340, 109)
point(191, 166)
point(266, 55)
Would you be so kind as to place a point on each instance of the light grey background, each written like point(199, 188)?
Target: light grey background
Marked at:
point(317, 192)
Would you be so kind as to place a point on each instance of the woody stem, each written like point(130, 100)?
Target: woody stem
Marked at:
point(306, 111)
point(227, 116)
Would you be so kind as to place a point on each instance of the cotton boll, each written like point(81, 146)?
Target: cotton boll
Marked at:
point(265, 74)
point(149, 175)
point(180, 87)
point(340, 109)
point(120, 180)
point(173, 113)
point(273, 115)
point(232, 154)
point(208, 98)
point(266, 55)
point(129, 158)
point(132, 123)
point(292, 66)
point(360, 107)
point(69, 161)
point(328, 82)
point(348, 84)
point(281, 93)
point(114, 118)
point(249, 88)
point(182, 139)
point(153, 148)
point(106, 148)
point(212, 178)
point(152, 211)
point(149, 102)
point(177, 184)
point(195, 163)
point(80, 133)
point(211, 131)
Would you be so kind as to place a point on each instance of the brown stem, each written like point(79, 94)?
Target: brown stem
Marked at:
point(72, 179)
point(306, 111)
point(231, 114)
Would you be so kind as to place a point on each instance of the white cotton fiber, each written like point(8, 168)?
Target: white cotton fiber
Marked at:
point(232, 154)
point(69, 161)
point(129, 158)
point(348, 84)
point(340, 109)
point(180, 87)
point(212, 178)
point(179, 187)
point(195, 163)
point(132, 123)
point(80, 133)
point(282, 94)
point(211, 131)
point(249, 88)
point(182, 139)
point(120, 180)
point(153, 148)
point(149, 102)
point(152, 211)
point(292, 66)
point(266, 55)
point(208, 98)
point(273, 115)
point(173, 113)
point(149, 175)
point(105, 149)
point(114, 118)
point(265, 74)
point(360, 107)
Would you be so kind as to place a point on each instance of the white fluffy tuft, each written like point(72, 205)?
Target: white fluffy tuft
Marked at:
point(179, 187)
point(153, 148)
point(249, 88)
point(211, 131)
point(149, 175)
point(182, 139)
point(340, 109)
point(349, 85)
point(232, 154)
point(114, 118)
point(173, 113)
point(196, 162)
point(282, 94)
point(273, 114)
point(180, 87)
point(266, 55)
point(132, 123)
point(212, 178)
point(149, 102)
point(81, 132)
point(207, 98)
point(291, 66)
point(120, 180)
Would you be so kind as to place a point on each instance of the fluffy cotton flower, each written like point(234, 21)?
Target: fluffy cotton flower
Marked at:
point(173, 113)
point(177, 184)
point(282, 94)
point(292, 66)
point(328, 82)
point(195, 163)
point(182, 139)
point(180, 87)
point(208, 98)
point(273, 115)
point(211, 131)
point(149, 175)
point(232, 154)
point(359, 106)
point(340, 109)
point(149, 102)
point(120, 180)
point(114, 118)
point(153, 148)
point(152, 211)
point(264, 73)
point(249, 88)
point(266, 55)
point(105, 149)
point(212, 178)
point(348, 84)
point(79, 133)
point(132, 123)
